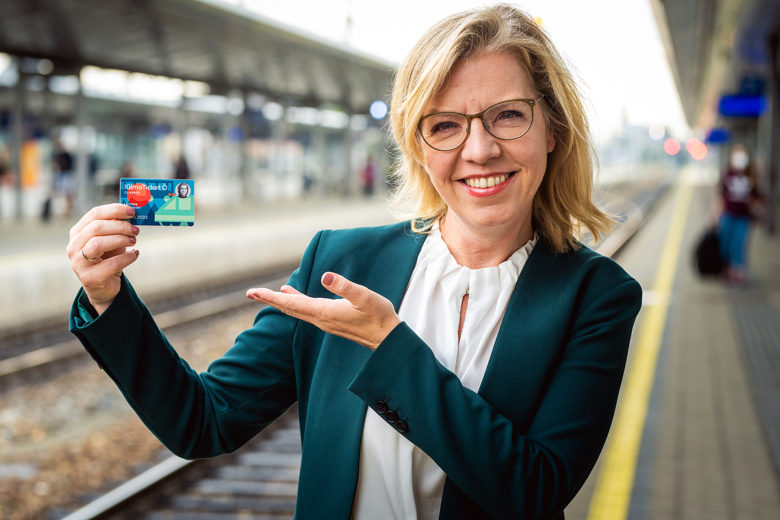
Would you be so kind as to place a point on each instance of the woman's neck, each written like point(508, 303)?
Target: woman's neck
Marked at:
point(478, 248)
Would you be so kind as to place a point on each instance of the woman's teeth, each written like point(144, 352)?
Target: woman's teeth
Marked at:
point(486, 182)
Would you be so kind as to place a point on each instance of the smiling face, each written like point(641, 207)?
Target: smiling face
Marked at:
point(489, 184)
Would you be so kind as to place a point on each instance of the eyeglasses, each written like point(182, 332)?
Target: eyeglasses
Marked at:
point(507, 120)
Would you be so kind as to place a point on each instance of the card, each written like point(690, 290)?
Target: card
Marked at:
point(159, 202)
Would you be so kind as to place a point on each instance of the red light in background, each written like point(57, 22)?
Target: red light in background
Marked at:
point(672, 146)
point(696, 149)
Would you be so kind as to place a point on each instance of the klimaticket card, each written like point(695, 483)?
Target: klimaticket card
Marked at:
point(159, 202)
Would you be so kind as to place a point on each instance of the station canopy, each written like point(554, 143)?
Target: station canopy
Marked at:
point(717, 48)
point(228, 48)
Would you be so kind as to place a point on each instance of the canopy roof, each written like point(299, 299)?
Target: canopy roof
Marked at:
point(228, 48)
point(717, 47)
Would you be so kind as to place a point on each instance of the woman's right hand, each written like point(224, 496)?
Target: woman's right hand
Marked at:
point(98, 251)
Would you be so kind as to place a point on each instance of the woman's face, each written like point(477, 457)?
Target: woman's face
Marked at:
point(739, 158)
point(515, 168)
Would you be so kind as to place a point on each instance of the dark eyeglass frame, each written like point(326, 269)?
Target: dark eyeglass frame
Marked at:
point(531, 102)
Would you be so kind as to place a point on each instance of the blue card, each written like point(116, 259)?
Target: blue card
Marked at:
point(159, 202)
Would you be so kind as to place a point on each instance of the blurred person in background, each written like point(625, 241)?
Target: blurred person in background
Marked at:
point(126, 169)
point(463, 363)
point(62, 182)
point(6, 179)
point(181, 169)
point(740, 202)
point(368, 176)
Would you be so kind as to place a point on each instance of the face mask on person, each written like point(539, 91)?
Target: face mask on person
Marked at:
point(739, 160)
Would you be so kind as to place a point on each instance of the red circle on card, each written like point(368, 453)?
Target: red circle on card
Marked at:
point(138, 195)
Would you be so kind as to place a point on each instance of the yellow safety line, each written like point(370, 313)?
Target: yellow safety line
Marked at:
point(612, 494)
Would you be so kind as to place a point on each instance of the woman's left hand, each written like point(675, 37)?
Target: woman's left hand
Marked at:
point(360, 315)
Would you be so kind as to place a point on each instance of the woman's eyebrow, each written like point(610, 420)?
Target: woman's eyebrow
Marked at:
point(435, 110)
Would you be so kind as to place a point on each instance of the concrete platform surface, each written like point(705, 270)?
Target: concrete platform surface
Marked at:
point(702, 441)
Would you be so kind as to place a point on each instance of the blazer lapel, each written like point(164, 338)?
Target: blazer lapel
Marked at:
point(395, 263)
point(522, 354)
point(335, 416)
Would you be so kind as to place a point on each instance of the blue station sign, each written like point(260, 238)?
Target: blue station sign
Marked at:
point(740, 105)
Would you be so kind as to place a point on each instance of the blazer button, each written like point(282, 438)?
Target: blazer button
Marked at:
point(391, 416)
point(401, 426)
point(380, 407)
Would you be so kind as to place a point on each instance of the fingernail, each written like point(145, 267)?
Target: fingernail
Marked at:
point(137, 252)
point(327, 279)
point(132, 240)
point(130, 211)
point(135, 230)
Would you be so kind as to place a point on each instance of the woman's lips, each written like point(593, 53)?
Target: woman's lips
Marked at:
point(487, 185)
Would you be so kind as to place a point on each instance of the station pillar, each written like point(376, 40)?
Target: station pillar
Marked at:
point(181, 122)
point(321, 154)
point(279, 136)
point(17, 136)
point(245, 170)
point(82, 185)
point(774, 128)
point(350, 176)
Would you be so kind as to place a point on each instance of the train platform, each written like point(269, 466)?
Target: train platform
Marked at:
point(37, 285)
point(697, 430)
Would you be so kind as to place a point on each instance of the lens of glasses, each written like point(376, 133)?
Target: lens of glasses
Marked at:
point(448, 130)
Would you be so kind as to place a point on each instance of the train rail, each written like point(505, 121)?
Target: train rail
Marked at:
point(259, 480)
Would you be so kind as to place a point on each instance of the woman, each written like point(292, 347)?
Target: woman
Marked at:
point(738, 195)
point(464, 363)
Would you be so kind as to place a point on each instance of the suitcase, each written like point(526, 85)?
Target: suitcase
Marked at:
point(707, 254)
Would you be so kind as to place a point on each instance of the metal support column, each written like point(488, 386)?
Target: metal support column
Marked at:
point(279, 136)
point(774, 128)
point(82, 184)
point(48, 116)
point(230, 166)
point(350, 177)
point(17, 137)
point(245, 166)
point(181, 122)
point(321, 180)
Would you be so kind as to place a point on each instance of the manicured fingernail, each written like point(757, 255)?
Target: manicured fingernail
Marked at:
point(135, 230)
point(327, 279)
point(132, 240)
point(130, 211)
point(255, 293)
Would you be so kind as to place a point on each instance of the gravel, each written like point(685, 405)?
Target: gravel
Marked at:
point(64, 442)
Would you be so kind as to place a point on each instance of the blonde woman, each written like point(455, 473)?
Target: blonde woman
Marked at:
point(463, 363)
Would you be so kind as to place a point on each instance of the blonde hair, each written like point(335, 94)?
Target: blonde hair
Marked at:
point(562, 206)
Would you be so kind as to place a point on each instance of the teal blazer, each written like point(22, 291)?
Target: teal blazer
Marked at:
point(521, 447)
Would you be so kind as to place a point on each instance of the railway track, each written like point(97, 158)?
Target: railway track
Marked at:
point(260, 479)
point(28, 358)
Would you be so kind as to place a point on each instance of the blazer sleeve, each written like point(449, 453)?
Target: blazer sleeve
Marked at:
point(507, 471)
point(195, 415)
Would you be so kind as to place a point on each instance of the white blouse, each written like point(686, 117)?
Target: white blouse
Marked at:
point(396, 479)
